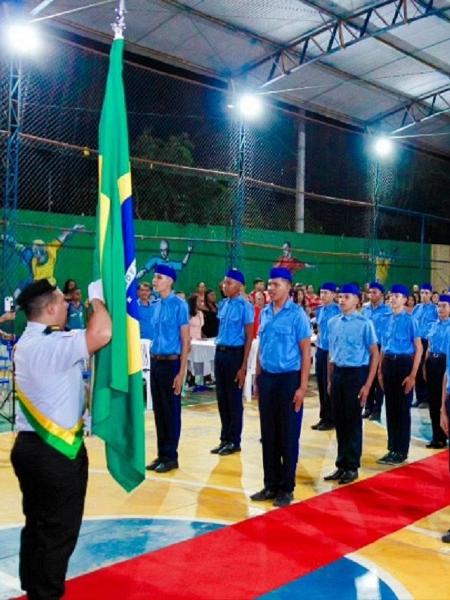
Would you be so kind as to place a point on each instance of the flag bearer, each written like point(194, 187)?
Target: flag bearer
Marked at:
point(48, 456)
point(401, 352)
point(233, 344)
point(378, 312)
point(435, 363)
point(425, 313)
point(169, 352)
point(324, 313)
point(353, 362)
point(282, 379)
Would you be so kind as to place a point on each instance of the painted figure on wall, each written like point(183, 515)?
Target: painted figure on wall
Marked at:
point(40, 257)
point(287, 261)
point(164, 259)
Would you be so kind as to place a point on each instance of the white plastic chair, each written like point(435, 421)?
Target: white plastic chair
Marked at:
point(146, 365)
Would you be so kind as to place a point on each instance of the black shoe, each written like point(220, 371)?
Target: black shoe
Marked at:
point(366, 414)
point(348, 477)
point(375, 416)
point(218, 448)
point(152, 466)
point(397, 458)
point(446, 537)
point(263, 495)
point(334, 476)
point(317, 425)
point(169, 465)
point(436, 445)
point(228, 449)
point(283, 499)
point(324, 426)
point(386, 459)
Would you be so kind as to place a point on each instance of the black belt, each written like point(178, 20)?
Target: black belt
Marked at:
point(165, 356)
point(229, 348)
point(436, 355)
point(397, 356)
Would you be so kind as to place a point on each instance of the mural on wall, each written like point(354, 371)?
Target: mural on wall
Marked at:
point(39, 257)
point(289, 262)
point(164, 258)
point(383, 264)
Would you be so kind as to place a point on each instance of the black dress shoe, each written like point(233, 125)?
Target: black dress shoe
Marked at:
point(218, 448)
point(317, 425)
point(446, 537)
point(324, 426)
point(398, 458)
point(375, 416)
point(165, 467)
point(263, 494)
point(436, 445)
point(283, 499)
point(386, 459)
point(348, 477)
point(334, 476)
point(152, 466)
point(366, 413)
point(228, 449)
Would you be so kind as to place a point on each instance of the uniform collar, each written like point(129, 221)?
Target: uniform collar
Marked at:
point(36, 327)
point(286, 306)
point(351, 316)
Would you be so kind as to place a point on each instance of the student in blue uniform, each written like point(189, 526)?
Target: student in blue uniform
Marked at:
point(435, 363)
point(169, 352)
point(401, 352)
point(378, 312)
point(425, 313)
point(445, 408)
point(282, 379)
point(324, 313)
point(233, 344)
point(353, 362)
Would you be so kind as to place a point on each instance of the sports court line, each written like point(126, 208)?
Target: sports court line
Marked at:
point(252, 557)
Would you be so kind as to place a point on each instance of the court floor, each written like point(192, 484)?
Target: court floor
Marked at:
point(208, 492)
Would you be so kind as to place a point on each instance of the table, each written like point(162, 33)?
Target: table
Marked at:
point(201, 357)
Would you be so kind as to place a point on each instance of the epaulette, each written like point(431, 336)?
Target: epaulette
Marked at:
point(52, 328)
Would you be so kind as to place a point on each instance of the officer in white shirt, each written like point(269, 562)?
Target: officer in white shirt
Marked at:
point(49, 457)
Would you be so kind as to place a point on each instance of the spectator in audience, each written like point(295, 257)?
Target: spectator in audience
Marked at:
point(68, 288)
point(211, 325)
point(259, 303)
point(201, 293)
point(144, 302)
point(435, 298)
point(76, 311)
point(312, 299)
point(301, 300)
point(410, 304)
point(259, 285)
point(196, 318)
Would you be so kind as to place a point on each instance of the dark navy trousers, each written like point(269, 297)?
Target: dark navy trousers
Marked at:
point(280, 428)
point(398, 404)
point(166, 407)
point(229, 395)
point(435, 369)
point(421, 385)
point(346, 383)
point(326, 409)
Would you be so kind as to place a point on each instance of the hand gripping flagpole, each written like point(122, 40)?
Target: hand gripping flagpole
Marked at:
point(119, 25)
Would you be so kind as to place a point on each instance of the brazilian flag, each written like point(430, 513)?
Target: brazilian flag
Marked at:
point(118, 405)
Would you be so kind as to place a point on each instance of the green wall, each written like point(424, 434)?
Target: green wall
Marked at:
point(334, 258)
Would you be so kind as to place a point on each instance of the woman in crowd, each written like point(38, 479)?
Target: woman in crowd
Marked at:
point(211, 322)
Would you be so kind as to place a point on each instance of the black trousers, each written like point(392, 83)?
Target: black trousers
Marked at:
point(422, 392)
point(53, 489)
point(435, 369)
point(166, 407)
point(375, 399)
point(229, 396)
point(326, 409)
point(280, 428)
point(398, 404)
point(346, 383)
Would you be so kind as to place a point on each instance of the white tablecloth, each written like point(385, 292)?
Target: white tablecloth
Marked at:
point(201, 357)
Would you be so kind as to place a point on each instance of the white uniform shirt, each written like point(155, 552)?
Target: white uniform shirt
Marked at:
point(49, 373)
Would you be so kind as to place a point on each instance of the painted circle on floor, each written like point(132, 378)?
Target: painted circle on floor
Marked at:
point(103, 542)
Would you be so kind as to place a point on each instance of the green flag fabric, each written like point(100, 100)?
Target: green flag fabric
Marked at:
point(118, 404)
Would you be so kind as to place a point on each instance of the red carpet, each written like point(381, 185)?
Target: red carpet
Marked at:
point(260, 554)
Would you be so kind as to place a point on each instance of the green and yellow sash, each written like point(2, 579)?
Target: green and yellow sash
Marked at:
point(66, 441)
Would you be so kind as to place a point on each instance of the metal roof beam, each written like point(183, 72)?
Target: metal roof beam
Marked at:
point(339, 33)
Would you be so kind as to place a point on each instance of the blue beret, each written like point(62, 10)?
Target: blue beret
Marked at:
point(163, 269)
point(236, 275)
point(426, 286)
point(398, 288)
point(377, 286)
point(329, 285)
point(444, 298)
point(280, 272)
point(350, 288)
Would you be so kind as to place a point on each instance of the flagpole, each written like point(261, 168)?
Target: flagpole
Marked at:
point(119, 25)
